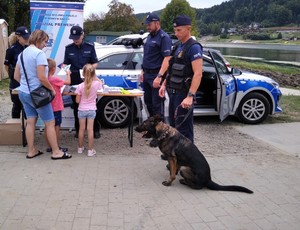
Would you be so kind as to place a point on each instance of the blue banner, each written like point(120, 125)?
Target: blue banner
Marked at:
point(56, 19)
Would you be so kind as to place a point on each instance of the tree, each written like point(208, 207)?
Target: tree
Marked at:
point(93, 22)
point(175, 8)
point(120, 17)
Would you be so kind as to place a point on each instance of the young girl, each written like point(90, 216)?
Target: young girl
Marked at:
point(86, 95)
point(57, 103)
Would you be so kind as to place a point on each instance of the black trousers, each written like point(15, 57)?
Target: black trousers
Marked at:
point(17, 105)
point(75, 111)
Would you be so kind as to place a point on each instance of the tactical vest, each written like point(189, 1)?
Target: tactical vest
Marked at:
point(180, 69)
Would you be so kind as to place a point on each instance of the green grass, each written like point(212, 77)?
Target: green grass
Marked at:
point(260, 65)
point(291, 110)
point(4, 85)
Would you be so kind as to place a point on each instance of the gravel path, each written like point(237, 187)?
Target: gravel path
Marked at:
point(211, 136)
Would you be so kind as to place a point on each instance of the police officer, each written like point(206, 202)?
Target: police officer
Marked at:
point(184, 77)
point(157, 50)
point(77, 54)
point(22, 34)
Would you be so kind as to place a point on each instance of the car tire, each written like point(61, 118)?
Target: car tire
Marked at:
point(254, 108)
point(113, 112)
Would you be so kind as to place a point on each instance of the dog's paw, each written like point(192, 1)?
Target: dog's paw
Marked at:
point(166, 183)
point(182, 181)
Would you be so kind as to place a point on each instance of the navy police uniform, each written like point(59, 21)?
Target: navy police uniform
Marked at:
point(11, 58)
point(185, 54)
point(77, 57)
point(156, 48)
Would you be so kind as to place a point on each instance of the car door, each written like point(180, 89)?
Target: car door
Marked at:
point(116, 70)
point(226, 86)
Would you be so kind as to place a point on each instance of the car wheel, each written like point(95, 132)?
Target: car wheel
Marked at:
point(113, 112)
point(253, 109)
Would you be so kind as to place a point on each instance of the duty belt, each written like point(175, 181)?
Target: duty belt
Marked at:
point(151, 71)
point(175, 91)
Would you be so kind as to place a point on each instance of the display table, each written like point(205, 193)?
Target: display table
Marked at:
point(130, 96)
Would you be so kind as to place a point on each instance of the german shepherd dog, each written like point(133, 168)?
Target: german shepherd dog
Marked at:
point(180, 151)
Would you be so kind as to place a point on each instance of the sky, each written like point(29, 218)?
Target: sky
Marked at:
point(142, 6)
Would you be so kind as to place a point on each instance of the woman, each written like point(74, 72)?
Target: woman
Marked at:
point(36, 66)
point(18, 41)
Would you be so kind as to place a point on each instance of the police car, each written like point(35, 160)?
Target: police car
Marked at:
point(223, 91)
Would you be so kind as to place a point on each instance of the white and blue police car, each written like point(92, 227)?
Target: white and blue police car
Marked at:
point(223, 91)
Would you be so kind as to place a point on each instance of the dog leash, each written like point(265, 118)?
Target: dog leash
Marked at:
point(185, 116)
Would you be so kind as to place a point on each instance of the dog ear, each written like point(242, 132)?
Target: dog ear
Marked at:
point(158, 118)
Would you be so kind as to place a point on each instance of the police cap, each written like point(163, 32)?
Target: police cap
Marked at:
point(182, 20)
point(23, 32)
point(75, 32)
point(152, 17)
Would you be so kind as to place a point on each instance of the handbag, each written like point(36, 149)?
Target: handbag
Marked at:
point(40, 96)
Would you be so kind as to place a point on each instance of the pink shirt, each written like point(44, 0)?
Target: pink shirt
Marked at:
point(57, 103)
point(88, 103)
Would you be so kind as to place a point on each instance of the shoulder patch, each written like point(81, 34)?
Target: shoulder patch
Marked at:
point(89, 43)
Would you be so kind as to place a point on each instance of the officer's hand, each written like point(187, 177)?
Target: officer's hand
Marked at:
point(187, 102)
point(162, 91)
point(141, 77)
point(156, 82)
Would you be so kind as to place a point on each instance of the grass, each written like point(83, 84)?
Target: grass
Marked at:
point(291, 110)
point(4, 85)
point(260, 65)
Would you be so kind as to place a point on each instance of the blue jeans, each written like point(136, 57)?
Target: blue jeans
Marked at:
point(154, 103)
point(44, 112)
point(176, 117)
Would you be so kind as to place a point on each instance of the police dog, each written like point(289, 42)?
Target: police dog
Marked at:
point(180, 151)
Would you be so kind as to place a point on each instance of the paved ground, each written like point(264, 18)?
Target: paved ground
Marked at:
point(121, 190)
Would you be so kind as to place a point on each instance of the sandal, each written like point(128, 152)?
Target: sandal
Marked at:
point(38, 153)
point(63, 157)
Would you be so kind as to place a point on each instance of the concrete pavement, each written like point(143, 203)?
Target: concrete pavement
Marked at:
point(284, 136)
point(123, 190)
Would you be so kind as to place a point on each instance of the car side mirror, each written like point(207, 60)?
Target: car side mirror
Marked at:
point(236, 72)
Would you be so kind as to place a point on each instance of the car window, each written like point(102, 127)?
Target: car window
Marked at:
point(117, 61)
point(137, 61)
point(221, 66)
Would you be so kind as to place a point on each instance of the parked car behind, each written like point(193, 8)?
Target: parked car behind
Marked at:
point(223, 91)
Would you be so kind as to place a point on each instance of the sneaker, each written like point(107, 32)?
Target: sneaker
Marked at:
point(91, 153)
point(80, 150)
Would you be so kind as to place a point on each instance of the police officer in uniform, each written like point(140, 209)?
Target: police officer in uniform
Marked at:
point(184, 78)
point(11, 57)
point(77, 54)
point(157, 50)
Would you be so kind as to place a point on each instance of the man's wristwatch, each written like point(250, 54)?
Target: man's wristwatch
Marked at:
point(190, 94)
point(159, 75)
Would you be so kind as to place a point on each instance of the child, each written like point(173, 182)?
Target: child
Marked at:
point(57, 103)
point(86, 95)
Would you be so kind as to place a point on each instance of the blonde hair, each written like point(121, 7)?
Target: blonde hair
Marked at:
point(89, 73)
point(37, 37)
point(51, 64)
point(12, 39)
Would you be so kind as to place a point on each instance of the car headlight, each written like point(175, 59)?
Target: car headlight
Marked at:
point(274, 83)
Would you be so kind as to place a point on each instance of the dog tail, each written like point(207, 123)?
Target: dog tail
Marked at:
point(234, 188)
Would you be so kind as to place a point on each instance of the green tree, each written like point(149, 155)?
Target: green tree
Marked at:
point(175, 8)
point(94, 22)
point(120, 17)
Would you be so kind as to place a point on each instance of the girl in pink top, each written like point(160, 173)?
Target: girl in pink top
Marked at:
point(86, 96)
point(57, 103)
